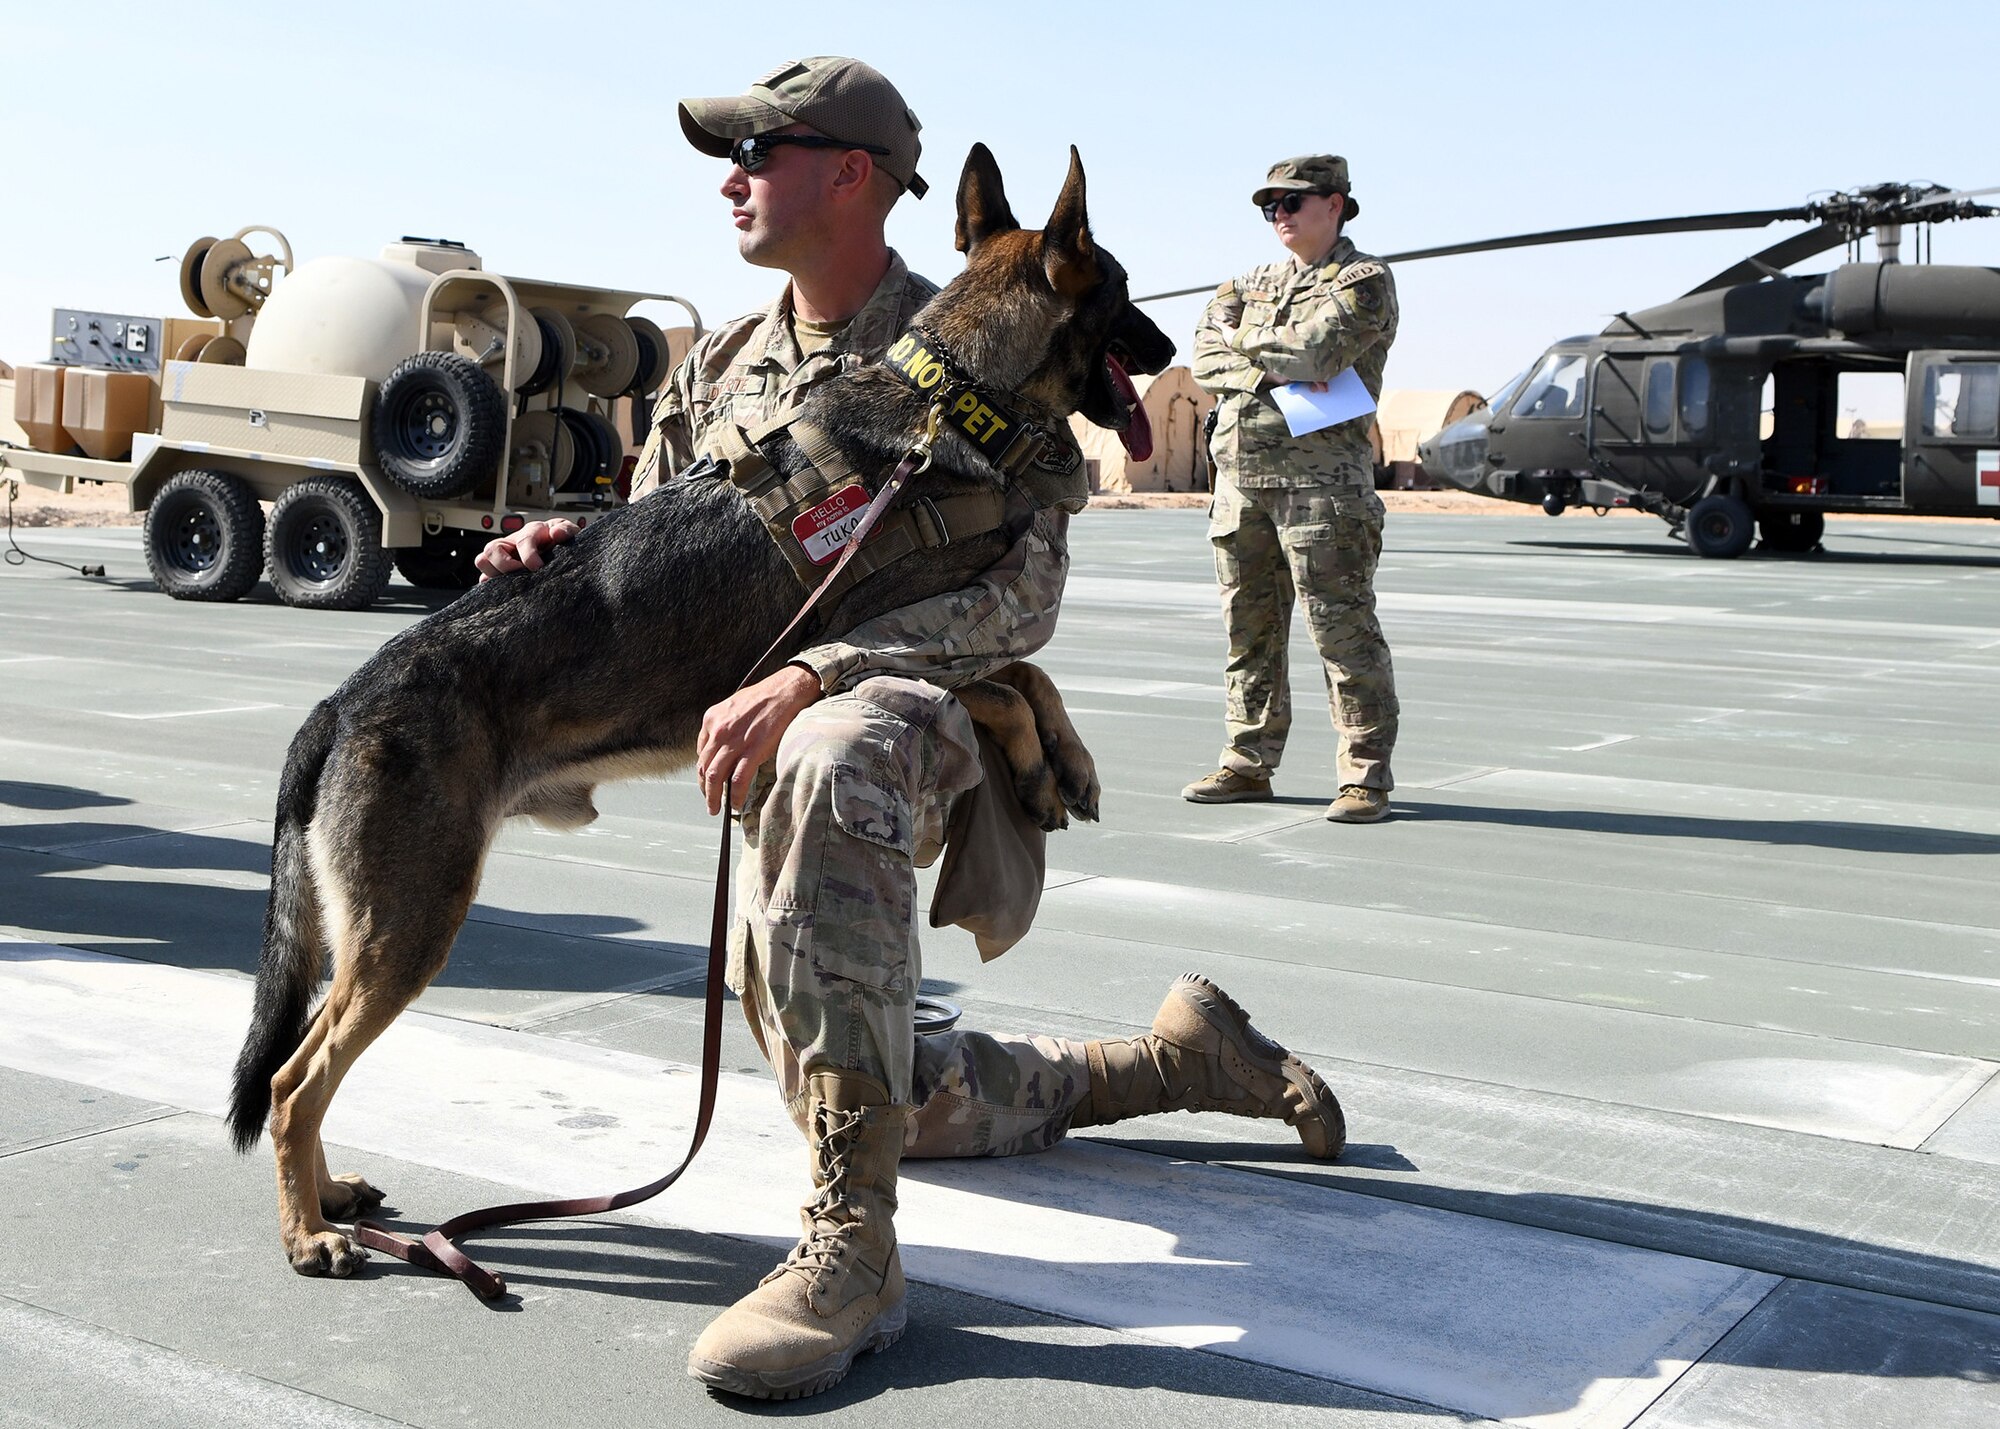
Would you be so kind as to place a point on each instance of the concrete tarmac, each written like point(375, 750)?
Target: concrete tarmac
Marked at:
point(1665, 1011)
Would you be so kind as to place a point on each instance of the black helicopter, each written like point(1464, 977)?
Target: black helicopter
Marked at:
point(1720, 409)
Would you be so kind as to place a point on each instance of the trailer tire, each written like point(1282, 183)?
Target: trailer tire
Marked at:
point(439, 425)
point(1795, 532)
point(323, 545)
point(443, 562)
point(1719, 527)
point(205, 537)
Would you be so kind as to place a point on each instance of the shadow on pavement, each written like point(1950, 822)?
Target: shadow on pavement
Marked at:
point(193, 923)
point(54, 798)
point(1830, 554)
point(1805, 833)
point(954, 1337)
point(1765, 1245)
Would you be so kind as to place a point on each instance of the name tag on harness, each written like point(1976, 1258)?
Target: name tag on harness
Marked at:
point(822, 531)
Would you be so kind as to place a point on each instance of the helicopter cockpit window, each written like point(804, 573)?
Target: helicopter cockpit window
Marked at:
point(1962, 399)
point(1694, 397)
point(1556, 389)
point(1660, 398)
point(1499, 400)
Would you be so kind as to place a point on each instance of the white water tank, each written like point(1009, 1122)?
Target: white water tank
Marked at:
point(350, 317)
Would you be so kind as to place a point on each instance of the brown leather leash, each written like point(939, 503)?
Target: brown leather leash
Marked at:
point(438, 1249)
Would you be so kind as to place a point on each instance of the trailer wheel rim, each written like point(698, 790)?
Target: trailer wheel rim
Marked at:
point(428, 425)
point(195, 543)
point(319, 548)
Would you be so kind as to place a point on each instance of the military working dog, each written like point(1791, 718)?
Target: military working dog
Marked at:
point(525, 693)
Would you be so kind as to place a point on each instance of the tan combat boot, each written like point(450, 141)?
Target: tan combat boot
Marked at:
point(840, 1292)
point(1359, 805)
point(1203, 1055)
point(1227, 786)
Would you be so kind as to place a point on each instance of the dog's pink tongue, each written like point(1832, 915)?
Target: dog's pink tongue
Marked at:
point(1138, 436)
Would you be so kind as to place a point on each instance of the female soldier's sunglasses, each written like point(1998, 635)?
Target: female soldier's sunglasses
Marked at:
point(1290, 203)
point(753, 153)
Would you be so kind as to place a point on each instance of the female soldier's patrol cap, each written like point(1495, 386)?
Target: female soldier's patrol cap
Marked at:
point(842, 98)
point(1309, 173)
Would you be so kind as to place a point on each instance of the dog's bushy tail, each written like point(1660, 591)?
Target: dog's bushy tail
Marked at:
point(289, 970)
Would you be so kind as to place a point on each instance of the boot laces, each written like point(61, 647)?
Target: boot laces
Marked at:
point(827, 1244)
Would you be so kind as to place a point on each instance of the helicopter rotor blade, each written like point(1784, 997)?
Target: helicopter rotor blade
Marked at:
point(1776, 258)
point(1176, 293)
point(1692, 223)
point(1954, 196)
point(1836, 219)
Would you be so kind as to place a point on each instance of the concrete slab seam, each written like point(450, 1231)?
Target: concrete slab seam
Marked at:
point(65, 1138)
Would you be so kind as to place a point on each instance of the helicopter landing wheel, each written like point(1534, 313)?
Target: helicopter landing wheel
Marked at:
point(1719, 528)
point(1795, 532)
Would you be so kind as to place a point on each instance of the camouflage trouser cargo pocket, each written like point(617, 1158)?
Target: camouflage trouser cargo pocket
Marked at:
point(1256, 586)
point(866, 857)
point(871, 807)
point(1334, 548)
point(826, 921)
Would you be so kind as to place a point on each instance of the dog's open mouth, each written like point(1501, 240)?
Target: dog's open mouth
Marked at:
point(1136, 430)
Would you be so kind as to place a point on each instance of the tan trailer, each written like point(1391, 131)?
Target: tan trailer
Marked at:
point(401, 410)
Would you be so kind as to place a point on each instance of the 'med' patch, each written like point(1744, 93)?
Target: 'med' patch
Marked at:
point(823, 530)
point(1986, 478)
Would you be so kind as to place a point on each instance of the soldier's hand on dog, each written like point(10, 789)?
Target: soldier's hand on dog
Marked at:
point(525, 549)
point(742, 732)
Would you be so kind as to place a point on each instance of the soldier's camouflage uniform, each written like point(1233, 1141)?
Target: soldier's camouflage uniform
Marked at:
point(823, 953)
point(1299, 513)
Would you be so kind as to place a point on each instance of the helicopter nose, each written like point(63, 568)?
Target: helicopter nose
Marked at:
point(1458, 453)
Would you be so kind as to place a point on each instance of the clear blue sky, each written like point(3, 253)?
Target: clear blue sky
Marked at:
point(544, 136)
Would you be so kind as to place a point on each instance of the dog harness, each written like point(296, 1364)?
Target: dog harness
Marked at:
point(812, 514)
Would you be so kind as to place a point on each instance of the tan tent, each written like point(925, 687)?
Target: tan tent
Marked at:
point(1176, 408)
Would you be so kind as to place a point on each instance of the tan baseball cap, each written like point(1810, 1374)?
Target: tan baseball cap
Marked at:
point(1309, 173)
point(842, 98)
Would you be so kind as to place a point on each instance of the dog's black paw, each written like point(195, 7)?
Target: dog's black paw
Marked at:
point(1042, 799)
point(1075, 776)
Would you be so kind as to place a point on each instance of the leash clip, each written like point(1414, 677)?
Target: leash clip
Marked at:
point(922, 446)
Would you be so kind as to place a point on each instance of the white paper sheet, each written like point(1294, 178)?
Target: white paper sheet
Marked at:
point(1307, 411)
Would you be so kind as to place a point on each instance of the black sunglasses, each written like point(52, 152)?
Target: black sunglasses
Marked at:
point(1290, 203)
point(753, 153)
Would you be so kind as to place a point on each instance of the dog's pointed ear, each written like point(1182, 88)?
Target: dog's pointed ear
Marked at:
point(982, 202)
point(1068, 254)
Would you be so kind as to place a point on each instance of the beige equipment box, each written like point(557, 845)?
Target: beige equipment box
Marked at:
point(397, 411)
